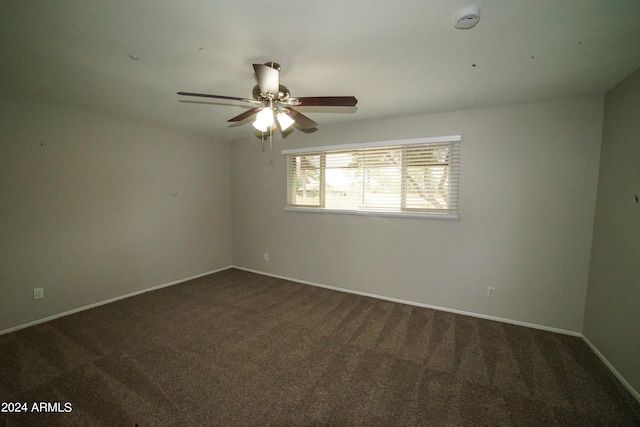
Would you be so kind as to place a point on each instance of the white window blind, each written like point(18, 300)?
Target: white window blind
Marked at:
point(417, 177)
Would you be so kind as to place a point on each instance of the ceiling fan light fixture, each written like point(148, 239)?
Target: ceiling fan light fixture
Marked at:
point(264, 119)
point(260, 126)
point(272, 101)
point(284, 120)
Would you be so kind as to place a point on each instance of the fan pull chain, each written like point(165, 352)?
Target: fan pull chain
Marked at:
point(271, 131)
point(271, 144)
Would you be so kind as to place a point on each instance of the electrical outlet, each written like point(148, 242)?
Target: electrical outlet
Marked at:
point(490, 291)
point(38, 293)
point(266, 256)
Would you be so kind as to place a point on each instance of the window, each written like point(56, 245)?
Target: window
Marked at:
point(417, 177)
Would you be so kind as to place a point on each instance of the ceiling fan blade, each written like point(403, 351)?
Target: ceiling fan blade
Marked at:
point(303, 121)
point(325, 101)
point(204, 95)
point(240, 117)
point(268, 79)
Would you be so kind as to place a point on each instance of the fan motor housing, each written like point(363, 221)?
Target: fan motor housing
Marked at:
point(283, 94)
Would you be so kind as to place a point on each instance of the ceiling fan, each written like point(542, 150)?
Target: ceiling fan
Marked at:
point(274, 102)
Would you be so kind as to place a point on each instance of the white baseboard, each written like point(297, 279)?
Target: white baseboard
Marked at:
point(612, 369)
point(97, 304)
point(417, 304)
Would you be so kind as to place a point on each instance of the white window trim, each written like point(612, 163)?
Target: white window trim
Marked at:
point(430, 215)
point(450, 138)
point(400, 142)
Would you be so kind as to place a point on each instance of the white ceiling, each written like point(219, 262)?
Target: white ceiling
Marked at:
point(130, 57)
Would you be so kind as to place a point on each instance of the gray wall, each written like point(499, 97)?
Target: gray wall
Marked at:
point(93, 207)
point(612, 316)
point(527, 200)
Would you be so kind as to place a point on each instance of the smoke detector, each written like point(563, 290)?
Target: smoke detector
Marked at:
point(467, 18)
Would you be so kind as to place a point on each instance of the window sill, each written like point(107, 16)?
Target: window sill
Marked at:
point(423, 215)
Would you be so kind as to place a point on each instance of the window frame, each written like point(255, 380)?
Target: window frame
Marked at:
point(452, 170)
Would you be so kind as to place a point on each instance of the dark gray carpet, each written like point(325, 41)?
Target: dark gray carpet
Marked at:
point(241, 349)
